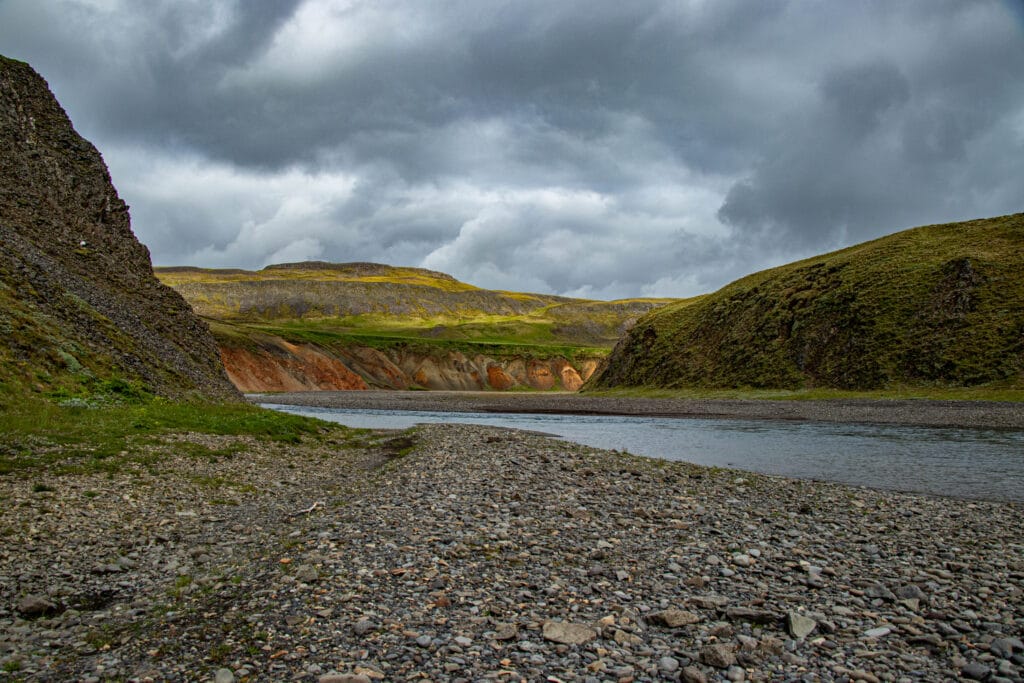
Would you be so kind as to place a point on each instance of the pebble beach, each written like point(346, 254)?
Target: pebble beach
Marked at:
point(459, 553)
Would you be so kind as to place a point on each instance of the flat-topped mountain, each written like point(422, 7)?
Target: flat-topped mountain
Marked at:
point(317, 325)
point(80, 310)
point(437, 302)
point(941, 305)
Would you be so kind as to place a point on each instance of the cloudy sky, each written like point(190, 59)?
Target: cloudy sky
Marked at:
point(594, 148)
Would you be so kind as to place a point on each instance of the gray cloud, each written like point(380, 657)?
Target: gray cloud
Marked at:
point(597, 148)
point(895, 141)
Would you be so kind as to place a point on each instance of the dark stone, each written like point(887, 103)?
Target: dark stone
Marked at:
point(70, 258)
point(975, 671)
point(754, 616)
point(32, 606)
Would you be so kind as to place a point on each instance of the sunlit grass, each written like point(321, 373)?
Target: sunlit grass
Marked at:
point(301, 301)
point(81, 437)
point(493, 335)
point(174, 277)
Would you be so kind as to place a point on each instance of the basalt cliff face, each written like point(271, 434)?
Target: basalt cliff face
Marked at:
point(935, 306)
point(80, 309)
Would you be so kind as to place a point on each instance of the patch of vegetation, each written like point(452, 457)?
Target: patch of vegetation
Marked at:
point(323, 335)
point(39, 433)
point(923, 310)
point(400, 446)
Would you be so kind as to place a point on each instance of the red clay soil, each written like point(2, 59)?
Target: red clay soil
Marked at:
point(277, 365)
point(304, 369)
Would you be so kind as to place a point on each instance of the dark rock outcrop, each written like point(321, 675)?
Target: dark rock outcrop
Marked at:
point(80, 308)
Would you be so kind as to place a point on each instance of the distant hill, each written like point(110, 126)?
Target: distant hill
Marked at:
point(372, 325)
point(80, 310)
point(414, 301)
point(941, 305)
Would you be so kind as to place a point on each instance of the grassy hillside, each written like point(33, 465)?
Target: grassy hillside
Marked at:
point(317, 271)
point(378, 306)
point(936, 306)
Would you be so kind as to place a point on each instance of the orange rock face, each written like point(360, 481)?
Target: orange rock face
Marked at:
point(539, 375)
point(273, 364)
point(499, 379)
point(587, 368)
point(303, 369)
point(571, 380)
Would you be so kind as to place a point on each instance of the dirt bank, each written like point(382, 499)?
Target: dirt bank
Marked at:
point(274, 364)
point(978, 414)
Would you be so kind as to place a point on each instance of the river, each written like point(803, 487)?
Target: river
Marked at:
point(964, 463)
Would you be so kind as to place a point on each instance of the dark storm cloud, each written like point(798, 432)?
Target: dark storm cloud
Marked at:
point(601, 148)
point(888, 145)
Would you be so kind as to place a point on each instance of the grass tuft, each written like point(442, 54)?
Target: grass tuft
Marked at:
point(37, 433)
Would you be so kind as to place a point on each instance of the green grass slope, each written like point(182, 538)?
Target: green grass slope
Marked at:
point(380, 305)
point(935, 306)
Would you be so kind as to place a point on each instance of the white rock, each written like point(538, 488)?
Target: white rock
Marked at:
point(878, 632)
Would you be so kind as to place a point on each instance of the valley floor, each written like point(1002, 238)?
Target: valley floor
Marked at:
point(458, 553)
point(980, 414)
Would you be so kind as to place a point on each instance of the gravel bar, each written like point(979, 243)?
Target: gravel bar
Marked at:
point(461, 553)
point(920, 412)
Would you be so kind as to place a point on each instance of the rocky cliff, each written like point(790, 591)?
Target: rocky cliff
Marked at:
point(940, 305)
point(80, 309)
point(270, 363)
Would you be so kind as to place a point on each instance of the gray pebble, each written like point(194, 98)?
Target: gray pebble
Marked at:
point(975, 671)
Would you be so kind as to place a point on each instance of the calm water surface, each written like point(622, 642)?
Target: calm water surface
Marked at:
point(966, 463)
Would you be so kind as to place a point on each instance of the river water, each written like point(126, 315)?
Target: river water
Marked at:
point(963, 463)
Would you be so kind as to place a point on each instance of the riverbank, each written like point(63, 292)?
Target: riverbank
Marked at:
point(925, 413)
point(456, 553)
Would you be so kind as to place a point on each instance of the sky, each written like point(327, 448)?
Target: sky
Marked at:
point(594, 148)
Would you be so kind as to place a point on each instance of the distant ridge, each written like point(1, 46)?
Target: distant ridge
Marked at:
point(940, 306)
point(351, 270)
point(316, 325)
point(355, 269)
point(317, 289)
